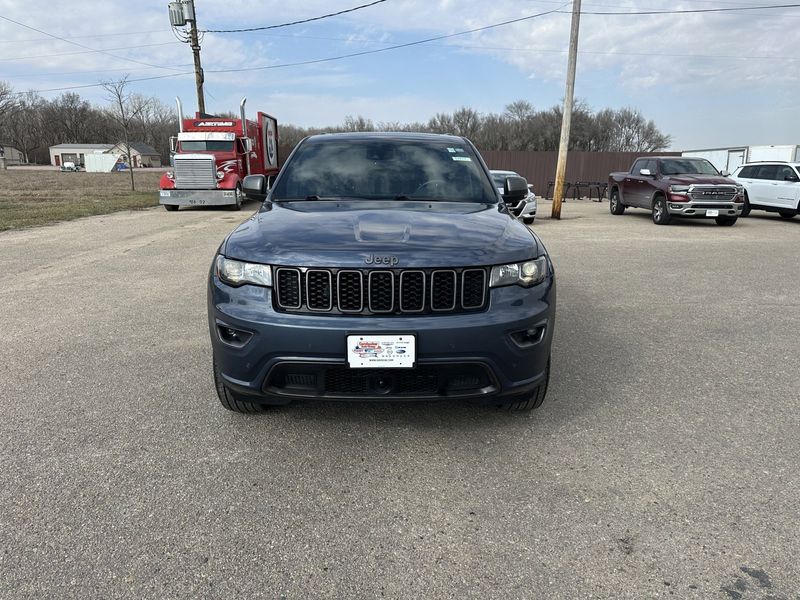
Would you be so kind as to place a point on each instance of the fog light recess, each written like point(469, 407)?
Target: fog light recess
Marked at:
point(231, 336)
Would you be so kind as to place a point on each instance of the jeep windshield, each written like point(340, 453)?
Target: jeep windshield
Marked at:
point(403, 169)
point(687, 166)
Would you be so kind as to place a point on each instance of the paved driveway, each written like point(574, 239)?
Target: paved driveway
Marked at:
point(663, 463)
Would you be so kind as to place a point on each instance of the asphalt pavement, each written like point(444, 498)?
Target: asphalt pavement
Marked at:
point(664, 462)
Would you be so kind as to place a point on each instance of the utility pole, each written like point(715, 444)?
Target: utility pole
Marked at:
point(566, 118)
point(182, 12)
point(198, 70)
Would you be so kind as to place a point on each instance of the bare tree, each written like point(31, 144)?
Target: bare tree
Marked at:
point(8, 100)
point(125, 109)
point(23, 126)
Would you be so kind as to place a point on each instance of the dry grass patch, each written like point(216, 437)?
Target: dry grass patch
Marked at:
point(31, 197)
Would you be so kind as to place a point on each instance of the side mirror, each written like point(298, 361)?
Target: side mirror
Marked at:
point(173, 144)
point(645, 172)
point(515, 188)
point(254, 187)
point(725, 173)
point(791, 178)
point(248, 144)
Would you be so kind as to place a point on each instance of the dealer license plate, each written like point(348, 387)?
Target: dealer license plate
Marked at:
point(712, 212)
point(381, 351)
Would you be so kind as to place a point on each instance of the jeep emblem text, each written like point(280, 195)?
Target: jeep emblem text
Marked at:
point(381, 260)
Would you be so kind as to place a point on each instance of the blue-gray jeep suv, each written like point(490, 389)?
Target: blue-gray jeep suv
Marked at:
point(382, 267)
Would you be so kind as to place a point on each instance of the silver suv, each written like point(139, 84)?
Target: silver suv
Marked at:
point(772, 186)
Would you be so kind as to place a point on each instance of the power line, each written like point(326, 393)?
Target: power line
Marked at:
point(91, 85)
point(687, 11)
point(395, 47)
point(88, 52)
point(118, 57)
point(333, 14)
point(80, 37)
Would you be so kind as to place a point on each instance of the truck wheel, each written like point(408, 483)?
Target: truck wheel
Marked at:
point(171, 207)
point(726, 221)
point(237, 205)
point(233, 401)
point(529, 401)
point(746, 207)
point(787, 214)
point(614, 204)
point(661, 215)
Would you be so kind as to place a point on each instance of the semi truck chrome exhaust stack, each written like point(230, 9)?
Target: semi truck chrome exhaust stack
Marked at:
point(180, 114)
point(244, 135)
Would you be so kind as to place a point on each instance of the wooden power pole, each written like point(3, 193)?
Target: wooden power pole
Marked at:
point(566, 118)
point(198, 69)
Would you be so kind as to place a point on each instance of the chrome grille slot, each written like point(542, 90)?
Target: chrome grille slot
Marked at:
point(288, 288)
point(350, 291)
point(319, 292)
point(195, 173)
point(443, 290)
point(473, 288)
point(381, 291)
point(412, 291)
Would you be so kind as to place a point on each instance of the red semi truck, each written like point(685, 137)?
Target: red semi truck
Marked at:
point(212, 155)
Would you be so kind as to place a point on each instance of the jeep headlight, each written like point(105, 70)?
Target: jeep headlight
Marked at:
point(237, 272)
point(526, 274)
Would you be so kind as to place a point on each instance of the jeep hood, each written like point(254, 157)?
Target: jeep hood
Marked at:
point(344, 234)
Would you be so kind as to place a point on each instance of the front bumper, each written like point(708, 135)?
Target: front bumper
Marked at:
point(700, 209)
point(197, 197)
point(524, 208)
point(470, 355)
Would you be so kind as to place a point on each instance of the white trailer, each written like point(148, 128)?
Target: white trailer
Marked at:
point(727, 159)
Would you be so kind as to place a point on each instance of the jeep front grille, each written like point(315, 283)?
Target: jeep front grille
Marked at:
point(195, 173)
point(380, 291)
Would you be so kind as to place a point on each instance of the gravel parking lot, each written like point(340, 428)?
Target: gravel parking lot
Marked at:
point(664, 462)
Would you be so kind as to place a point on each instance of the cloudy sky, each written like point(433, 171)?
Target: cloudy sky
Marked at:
point(707, 79)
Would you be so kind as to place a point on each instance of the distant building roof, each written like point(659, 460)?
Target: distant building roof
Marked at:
point(143, 148)
point(138, 147)
point(84, 146)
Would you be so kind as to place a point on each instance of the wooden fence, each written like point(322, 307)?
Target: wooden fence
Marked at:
point(539, 168)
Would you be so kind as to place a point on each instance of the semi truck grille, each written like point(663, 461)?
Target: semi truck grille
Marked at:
point(380, 291)
point(195, 173)
point(723, 193)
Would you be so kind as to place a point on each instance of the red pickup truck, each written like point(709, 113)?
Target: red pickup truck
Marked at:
point(676, 186)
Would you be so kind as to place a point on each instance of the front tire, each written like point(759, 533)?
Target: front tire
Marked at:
point(232, 401)
point(528, 220)
point(726, 221)
point(746, 208)
point(237, 205)
point(661, 215)
point(530, 401)
point(171, 207)
point(614, 204)
point(787, 214)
